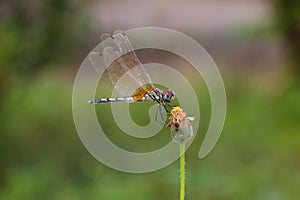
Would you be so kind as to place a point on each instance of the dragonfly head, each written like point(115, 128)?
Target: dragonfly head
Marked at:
point(168, 96)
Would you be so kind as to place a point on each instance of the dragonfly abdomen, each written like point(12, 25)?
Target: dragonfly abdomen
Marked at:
point(108, 100)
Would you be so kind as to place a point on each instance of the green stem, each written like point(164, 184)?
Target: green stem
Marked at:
point(182, 170)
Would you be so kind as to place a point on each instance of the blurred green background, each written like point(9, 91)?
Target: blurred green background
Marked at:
point(256, 46)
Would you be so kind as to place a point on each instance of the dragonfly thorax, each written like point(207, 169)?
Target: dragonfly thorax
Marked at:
point(158, 95)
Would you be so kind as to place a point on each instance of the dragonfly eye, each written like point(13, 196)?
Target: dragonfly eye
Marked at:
point(168, 96)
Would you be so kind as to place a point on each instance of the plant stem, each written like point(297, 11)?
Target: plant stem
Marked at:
point(182, 169)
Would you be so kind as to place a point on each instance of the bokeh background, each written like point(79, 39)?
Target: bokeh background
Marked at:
point(256, 46)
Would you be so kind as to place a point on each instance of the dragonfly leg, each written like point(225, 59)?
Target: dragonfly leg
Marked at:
point(161, 113)
point(166, 106)
point(156, 115)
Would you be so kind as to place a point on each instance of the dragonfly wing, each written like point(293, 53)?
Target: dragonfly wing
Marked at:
point(130, 59)
point(125, 70)
point(96, 61)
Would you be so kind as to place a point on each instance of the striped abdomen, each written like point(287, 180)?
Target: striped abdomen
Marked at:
point(108, 100)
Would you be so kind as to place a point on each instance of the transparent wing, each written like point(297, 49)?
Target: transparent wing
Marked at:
point(125, 70)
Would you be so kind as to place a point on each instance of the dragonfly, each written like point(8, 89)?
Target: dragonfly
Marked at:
point(181, 128)
point(126, 72)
